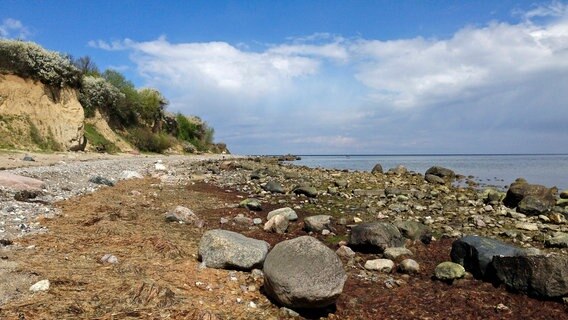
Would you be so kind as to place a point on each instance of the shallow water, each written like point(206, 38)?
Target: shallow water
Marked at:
point(498, 170)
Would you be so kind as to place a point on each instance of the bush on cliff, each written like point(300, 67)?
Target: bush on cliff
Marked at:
point(29, 60)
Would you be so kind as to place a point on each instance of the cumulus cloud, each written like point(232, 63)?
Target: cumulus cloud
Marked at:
point(494, 88)
point(12, 28)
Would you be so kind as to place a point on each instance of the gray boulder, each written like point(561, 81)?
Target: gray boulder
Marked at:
point(308, 191)
point(414, 230)
point(274, 187)
point(289, 213)
point(520, 189)
point(541, 276)
point(303, 273)
point(441, 172)
point(476, 253)
point(375, 237)
point(222, 249)
point(377, 169)
point(277, 224)
point(317, 223)
point(534, 206)
point(434, 179)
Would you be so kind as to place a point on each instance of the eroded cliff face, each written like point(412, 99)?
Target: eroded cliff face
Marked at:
point(33, 116)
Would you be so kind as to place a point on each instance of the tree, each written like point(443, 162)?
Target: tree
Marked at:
point(86, 65)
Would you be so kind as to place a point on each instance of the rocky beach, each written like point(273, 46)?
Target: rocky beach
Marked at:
point(224, 237)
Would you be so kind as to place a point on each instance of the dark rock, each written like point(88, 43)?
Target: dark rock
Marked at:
point(414, 230)
point(532, 205)
point(541, 276)
point(564, 194)
point(224, 249)
point(377, 169)
point(519, 190)
point(434, 179)
point(28, 158)
point(101, 180)
point(441, 172)
point(375, 237)
point(476, 253)
point(274, 187)
point(317, 223)
point(308, 191)
point(251, 204)
point(303, 273)
point(25, 195)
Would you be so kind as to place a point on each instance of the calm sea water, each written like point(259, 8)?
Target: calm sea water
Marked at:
point(498, 170)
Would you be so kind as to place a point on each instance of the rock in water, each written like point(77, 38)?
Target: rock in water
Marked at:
point(375, 237)
point(377, 169)
point(288, 213)
point(441, 172)
point(303, 273)
point(541, 276)
point(224, 249)
point(434, 179)
point(476, 253)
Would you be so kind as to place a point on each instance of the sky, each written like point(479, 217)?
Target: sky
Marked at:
point(332, 77)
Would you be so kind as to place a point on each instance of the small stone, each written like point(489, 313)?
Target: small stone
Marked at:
point(449, 271)
point(394, 253)
point(345, 251)
point(527, 226)
point(325, 232)
point(257, 221)
point(251, 204)
point(109, 258)
point(409, 266)
point(501, 307)
point(357, 220)
point(39, 286)
point(382, 265)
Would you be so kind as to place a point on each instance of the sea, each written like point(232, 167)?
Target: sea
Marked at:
point(487, 169)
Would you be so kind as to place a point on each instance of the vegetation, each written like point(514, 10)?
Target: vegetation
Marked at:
point(44, 143)
point(138, 113)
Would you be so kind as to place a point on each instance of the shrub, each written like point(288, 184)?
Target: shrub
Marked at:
point(30, 60)
point(98, 93)
point(96, 139)
point(145, 140)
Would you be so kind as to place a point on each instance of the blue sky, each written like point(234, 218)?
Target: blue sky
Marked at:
point(313, 77)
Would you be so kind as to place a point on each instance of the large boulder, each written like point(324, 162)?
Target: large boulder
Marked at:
point(414, 230)
point(274, 187)
point(377, 169)
point(289, 213)
point(375, 237)
point(441, 172)
point(303, 273)
point(542, 197)
point(533, 205)
point(222, 249)
point(476, 253)
point(541, 276)
point(434, 179)
point(308, 191)
point(17, 182)
point(317, 223)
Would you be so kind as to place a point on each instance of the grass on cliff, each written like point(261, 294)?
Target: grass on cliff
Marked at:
point(98, 141)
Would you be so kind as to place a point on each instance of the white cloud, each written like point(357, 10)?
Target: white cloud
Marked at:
point(12, 28)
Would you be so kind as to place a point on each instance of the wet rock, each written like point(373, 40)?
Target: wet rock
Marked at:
point(449, 271)
point(519, 190)
point(181, 214)
point(377, 169)
point(414, 230)
point(541, 276)
point(224, 249)
point(277, 224)
point(303, 273)
point(40, 286)
point(317, 223)
point(441, 172)
point(475, 253)
point(101, 180)
point(308, 191)
point(375, 237)
point(251, 204)
point(289, 213)
point(274, 187)
point(381, 265)
point(394, 253)
point(434, 179)
point(409, 266)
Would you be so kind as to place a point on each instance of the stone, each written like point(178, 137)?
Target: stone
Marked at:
point(274, 187)
point(394, 253)
point(242, 220)
point(308, 191)
point(341, 183)
point(181, 214)
point(303, 273)
point(109, 258)
point(377, 169)
point(128, 174)
point(345, 252)
point(519, 190)
point(564, 194)
point(222, 249)
point(17, 182)
point(101, 180)
point(449, 271)
point(289, 213)
point(39, 286)
point(409, 266)
point(441, 172)
point(400, 169)
point(434, 179)
point(475, 253)
point(375, 237)
point(381, 265)
point(251, 204)
point(558, 240)
point(317, 223)
point(414, 230)
point(25, 195)
point(533, 205)
point(528, 226)
point(257, 221)
point(28, 158)
point(544, 276)
point(277, 224)
point(159, 166)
